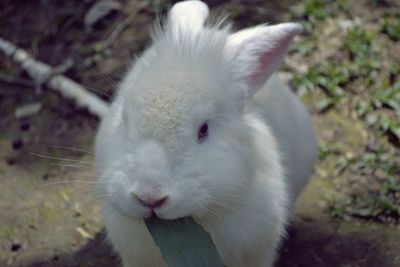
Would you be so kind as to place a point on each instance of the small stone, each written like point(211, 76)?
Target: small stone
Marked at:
point(11, 161)
point(25, 126)
point(17, 144)
point(15, 247)
point(28, 110)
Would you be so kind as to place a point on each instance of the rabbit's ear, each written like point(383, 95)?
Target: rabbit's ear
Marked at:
point(253, 54)
point(190, 15)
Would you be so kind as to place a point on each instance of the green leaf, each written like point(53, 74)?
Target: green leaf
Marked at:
point(183, 242)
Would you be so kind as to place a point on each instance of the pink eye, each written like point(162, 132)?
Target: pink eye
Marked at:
point(202, 133)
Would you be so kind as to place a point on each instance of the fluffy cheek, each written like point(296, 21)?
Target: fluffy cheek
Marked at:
point(184, 201)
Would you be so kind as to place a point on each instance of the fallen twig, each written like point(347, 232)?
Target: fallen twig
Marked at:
point(41, 72)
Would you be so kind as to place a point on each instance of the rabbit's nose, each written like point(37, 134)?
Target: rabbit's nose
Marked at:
point(151, 202)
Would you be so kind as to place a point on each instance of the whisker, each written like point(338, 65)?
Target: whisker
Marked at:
point(70, 182)
point(212, 212)
point(59, 158)
point(103, 74)
point(72, 148)
point(98, 91)
point(85, 167)
point(231, 197)
point(88, 203)
point(222, 205)
point(82, 174)
point(92, 192)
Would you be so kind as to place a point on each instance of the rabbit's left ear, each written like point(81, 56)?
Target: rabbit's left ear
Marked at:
point(253, 54)
point(189, 15)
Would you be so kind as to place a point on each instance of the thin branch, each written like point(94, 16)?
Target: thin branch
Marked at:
point(41, 72)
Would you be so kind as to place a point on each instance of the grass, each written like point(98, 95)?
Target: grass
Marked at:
point(391, 27)
point(360, 79)
point(381, 205)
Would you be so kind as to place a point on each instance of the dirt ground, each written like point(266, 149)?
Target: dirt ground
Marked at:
point(345, 67)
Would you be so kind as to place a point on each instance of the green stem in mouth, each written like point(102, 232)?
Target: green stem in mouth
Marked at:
point(183, 242)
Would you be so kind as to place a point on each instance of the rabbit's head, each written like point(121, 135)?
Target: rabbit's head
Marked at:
point(175, 142)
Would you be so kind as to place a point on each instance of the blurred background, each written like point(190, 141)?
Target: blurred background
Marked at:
point(345, 67)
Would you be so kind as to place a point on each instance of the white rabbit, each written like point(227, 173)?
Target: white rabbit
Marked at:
point(190, 133)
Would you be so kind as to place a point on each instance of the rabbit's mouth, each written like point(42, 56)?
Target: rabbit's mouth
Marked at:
point(128, 209)
point(155, 216)
point(133, 210)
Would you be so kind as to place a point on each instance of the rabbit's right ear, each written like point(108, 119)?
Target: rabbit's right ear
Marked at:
point(188, 15)
point(253, 54)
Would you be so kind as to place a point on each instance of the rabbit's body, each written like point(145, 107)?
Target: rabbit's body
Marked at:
point(188, 135)
point(291, 124)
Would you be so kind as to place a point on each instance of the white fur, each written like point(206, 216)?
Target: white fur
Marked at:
point(257, 51)
point(240, 182)
point(191, 14)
